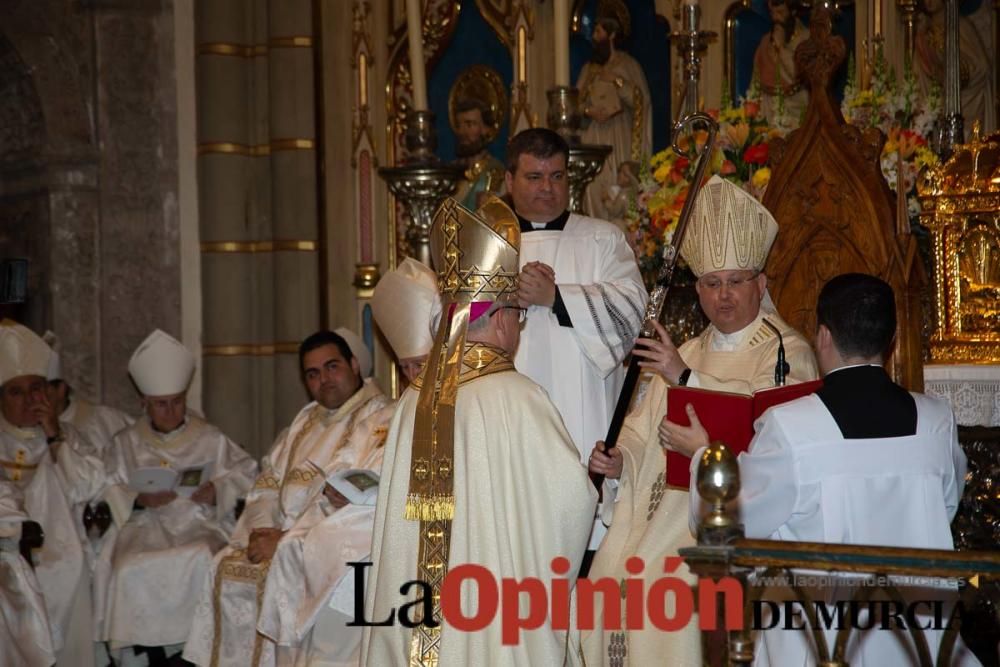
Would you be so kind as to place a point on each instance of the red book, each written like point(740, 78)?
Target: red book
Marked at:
point(726, 416)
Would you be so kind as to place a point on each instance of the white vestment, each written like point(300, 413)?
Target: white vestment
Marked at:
point(98, 424)
point(288, 486)
point(801, 480)
point(310, 564)
point(153, 562)
point(649, 520)
point(50, 491)
point(580, 367)
point(521, 498)
point(25, 635)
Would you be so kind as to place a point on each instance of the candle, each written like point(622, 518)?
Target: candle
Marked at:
point(691, 15)
point(562, 42)
point(878, 17)
point(414, 27)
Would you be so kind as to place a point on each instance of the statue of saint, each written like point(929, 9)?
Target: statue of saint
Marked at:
point(783, 96)
point(975, 64)
point(617, 109)
point(484, 174)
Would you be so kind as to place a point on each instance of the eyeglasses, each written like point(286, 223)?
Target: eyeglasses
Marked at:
point(522, 313)
point(714, 284)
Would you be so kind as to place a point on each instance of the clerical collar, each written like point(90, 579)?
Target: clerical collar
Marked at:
point(727, 342)
point(555, 225)
point(844, 368)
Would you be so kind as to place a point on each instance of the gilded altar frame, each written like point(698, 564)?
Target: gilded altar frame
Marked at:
point(960, 206)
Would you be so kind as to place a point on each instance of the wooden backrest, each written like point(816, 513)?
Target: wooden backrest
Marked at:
point(835, 211)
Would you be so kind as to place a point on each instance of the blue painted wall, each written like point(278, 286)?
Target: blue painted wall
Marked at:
point(474, 42)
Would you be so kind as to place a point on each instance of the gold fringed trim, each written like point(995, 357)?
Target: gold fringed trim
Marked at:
point(429, 508)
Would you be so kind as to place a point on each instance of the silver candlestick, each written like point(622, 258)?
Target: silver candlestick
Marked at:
point(421, 183)
point(585, 160)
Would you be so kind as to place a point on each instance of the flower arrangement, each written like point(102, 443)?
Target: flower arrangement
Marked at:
point(905, 116)
point(741, 154)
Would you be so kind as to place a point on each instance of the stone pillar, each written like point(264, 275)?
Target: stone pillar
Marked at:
point(295, 221)
point(234, 215)
point(258, 209)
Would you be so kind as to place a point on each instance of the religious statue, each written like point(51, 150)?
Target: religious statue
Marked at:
point(975, 63)
point(615, 101)
point(618, 196)
point(783, 96)
point(483, 172)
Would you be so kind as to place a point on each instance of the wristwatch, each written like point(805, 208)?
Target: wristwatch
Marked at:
point(684, 377)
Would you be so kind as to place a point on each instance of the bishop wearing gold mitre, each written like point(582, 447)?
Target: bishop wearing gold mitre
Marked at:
point(478, 468)
point(726, 246)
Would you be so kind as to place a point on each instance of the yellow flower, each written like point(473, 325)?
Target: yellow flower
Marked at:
point(761, 178)
point(925, 157)
point(737, 134)
point(661, 173)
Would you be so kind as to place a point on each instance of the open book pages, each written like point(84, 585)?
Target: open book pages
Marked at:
point(183, 482)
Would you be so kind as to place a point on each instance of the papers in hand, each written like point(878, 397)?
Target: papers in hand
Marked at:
point(183, 482)
point(358, 485)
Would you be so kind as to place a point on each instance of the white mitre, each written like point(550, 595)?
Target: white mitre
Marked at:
point(729, 230)
point(402, 303)
point(358, 349)
point(22, 352)
point(161, 365)
point(55, 371)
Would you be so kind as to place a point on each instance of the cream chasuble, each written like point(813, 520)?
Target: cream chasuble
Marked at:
point(25, 634)
point(224, 630)
point(650, 520)
point(50, 489)
point(311, 563)
point(153, 561)
point(521, 498)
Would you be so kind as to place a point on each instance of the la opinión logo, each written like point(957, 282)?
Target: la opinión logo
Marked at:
point(551, 602)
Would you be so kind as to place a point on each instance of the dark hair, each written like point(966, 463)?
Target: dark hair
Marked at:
point(860, 312)
point(464, 104)
point(318, 340)
point(538, 142)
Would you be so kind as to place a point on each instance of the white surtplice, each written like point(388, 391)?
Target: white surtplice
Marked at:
point(580, 367)
point(801, 480)
point(25, 634)
point(154, 561)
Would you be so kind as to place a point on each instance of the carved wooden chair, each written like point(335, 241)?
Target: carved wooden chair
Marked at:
point(835, 211)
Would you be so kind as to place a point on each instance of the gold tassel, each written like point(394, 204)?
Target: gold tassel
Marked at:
point(429, 508)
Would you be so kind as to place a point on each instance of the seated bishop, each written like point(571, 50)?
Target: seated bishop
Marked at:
point(290, 484)
point(309, 596)
point(48, 462)
point(25, 635)
point(173, 483)
point(468, 469)
point(726, 246)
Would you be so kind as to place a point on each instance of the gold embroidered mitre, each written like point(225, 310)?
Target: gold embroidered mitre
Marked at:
point(730, 230)
point(476, 253)
point(476, 256)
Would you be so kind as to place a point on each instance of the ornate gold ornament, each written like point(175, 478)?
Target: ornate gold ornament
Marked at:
point(960, 202)
point(483, 83)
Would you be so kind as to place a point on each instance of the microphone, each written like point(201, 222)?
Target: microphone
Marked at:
point(781, 368)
